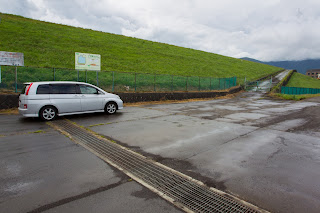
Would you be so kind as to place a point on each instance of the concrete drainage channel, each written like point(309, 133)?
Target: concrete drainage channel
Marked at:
point(184, 192)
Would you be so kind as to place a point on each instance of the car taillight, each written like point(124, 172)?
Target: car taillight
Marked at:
point(27, 93)
point(25, 106)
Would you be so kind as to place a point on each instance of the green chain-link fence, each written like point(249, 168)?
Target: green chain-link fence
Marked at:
point(14, 77)
point(299, 90)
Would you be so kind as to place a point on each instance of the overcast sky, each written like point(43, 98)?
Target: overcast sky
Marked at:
point(261, 29)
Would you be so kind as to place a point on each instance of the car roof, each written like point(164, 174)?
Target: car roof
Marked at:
point(57, 82)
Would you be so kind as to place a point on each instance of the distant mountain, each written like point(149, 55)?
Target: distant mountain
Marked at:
point(301, 66)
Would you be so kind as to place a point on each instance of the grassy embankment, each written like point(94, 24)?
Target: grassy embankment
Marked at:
point(48, 45)
point(300, 80)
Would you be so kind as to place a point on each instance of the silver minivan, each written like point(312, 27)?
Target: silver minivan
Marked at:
point(48, 100)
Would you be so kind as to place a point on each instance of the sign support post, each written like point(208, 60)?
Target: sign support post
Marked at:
point(97, 79)
point(16, 81)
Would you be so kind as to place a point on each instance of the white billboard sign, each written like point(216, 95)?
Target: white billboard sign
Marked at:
point(87, 61)
point(11, 58)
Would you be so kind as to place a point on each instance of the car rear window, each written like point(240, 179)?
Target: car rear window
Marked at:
point(23, 91)
point(63, 89)
point(43, 89)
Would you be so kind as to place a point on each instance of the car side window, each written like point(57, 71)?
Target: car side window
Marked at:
point(88, 90)
point(63, 89)
point(43, 89)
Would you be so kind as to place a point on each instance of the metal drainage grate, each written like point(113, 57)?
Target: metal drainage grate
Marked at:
point(181, 190)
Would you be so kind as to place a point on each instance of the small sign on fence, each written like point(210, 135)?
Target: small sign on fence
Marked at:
point(11, 58)
point(86, 61)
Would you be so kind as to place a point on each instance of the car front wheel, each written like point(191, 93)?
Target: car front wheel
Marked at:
point(48, 113)
point(110, 108)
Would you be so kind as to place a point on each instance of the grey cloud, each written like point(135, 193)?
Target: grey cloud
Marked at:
point(19, 7)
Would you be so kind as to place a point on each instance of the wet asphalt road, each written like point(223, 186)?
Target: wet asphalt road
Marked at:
point(250, 146)
point(266, 85)
point(43, 171)
point(261, 150)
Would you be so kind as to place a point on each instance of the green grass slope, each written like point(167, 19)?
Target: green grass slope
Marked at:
point(300, 80)
point(53, 45)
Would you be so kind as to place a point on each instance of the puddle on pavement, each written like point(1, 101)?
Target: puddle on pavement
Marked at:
point(231, 108)
point(245, 116)
point(289, 124)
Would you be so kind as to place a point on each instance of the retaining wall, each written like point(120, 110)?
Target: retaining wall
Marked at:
point(11, 101)
point(287, 79)
point(142, 97)
point(8, 101)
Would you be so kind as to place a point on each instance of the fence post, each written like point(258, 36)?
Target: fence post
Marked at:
point(270, 83)
point(199, 83)
point(135, 82)
point(172, 83)
point(112, 81)
point(78, 75)
point(97, 78)
point(86, 76)
point(187, 83)
point(16, 80)
point(245, 83)
point(54, 74)
point(154, 82)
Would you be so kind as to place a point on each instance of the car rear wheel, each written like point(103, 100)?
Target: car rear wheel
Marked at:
point(110, 108)
point(48, 113)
